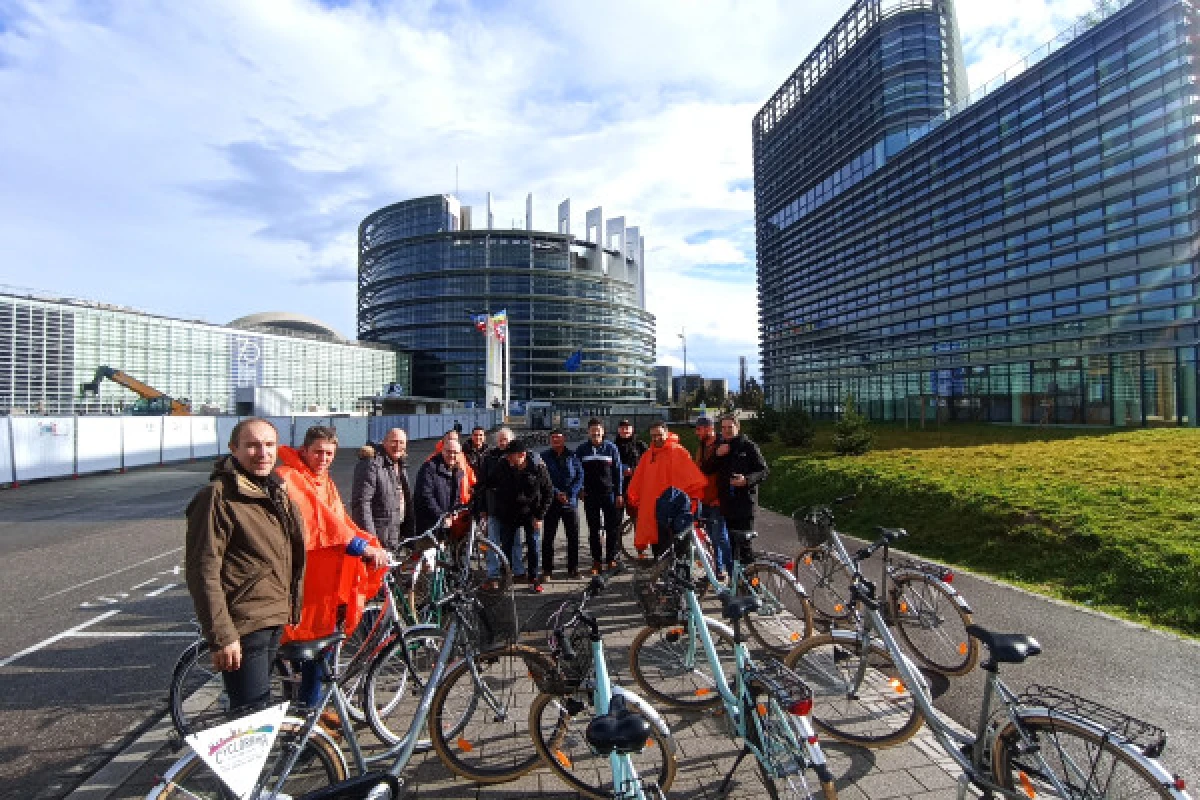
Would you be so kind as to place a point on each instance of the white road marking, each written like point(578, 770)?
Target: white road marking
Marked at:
point(143, 583)
point(131, 634)
point(114, 572)
point(161, 589)
point(58, 637)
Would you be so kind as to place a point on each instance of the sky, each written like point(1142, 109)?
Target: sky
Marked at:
point(212, 159)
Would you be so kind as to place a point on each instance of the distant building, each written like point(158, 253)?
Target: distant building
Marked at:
point(716, 387)
point(686, 384)
point(49, 346)
point(664, 392)
point(741, 374)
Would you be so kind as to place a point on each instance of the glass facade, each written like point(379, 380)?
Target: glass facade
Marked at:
point(419, 286)
point(49, 347)
point(1028, 258)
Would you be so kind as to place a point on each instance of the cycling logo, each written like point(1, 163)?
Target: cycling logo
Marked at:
point(237, 750)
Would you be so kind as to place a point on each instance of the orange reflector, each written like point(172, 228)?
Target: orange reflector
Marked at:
point(962, 648)
point(808, 560)
point(897, 685)
point(483, 548)
point(762, 709)
point(702, 691)
point(801, 708)
point(754, 581)
point(903, 607)
point(839, 608)
point(562, 758)
point(795, 637)
point(649, 743)
point(1027, 785)
point(675, 632)
point(464, 745)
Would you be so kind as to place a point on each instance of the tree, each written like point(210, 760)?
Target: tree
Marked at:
point(751, 398)
point(852, 435)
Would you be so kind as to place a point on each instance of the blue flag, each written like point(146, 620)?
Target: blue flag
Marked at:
point(574, 361)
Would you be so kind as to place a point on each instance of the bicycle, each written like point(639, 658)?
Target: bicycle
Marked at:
point(1045, 741)
point(767, 705)
point(930, 615)
point(626, 732)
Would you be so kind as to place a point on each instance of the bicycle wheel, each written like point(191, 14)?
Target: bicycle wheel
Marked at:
point(628, 551)
point(320, 764)
point(670, 665)
point(392, 692)
point(1084, 763)
point(480, 725)
point(782, 770)
point(197, 698)
point(785, 617)
point(559, 727)
point(933, 626)
point(827, 584)
point(878, 712)
point(354, 657)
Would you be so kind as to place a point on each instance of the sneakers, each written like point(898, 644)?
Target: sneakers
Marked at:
point(536, 587)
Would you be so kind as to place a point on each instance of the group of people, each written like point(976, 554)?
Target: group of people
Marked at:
point(272, 554)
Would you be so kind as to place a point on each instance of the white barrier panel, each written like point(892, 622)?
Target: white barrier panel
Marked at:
point(143, 440)
point(352, 431)
point(284, 426)
point(97, 443)
point(177, 439)
point(204, 437)
point(301, 426)
point(43, 447)
point(6, 471)
point(224, 431)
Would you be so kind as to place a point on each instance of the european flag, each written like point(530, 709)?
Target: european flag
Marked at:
point(574, 361)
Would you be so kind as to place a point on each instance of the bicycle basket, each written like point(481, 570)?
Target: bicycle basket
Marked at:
point(567, 675)
point(813, 525)
point(1150, 739)
point(661, 602)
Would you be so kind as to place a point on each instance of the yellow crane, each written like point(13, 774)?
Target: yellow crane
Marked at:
point(150, 402)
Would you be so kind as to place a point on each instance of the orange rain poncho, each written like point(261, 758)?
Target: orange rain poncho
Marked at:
point(659, 469)
point(332, 578)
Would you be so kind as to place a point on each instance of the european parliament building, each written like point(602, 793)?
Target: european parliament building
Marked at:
point(424, 272)
point(1025, 254)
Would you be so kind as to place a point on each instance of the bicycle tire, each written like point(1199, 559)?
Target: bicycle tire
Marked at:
point(497, 750)
point(673, 669)
point(390, 693)
point(879, 713)
point(628, 551)
point(1060, 741)
point(353, 653)
point(569, 756)
point(827, 584)
point(196, 698)
point(933, 625)
point(320, 764)
point(785, 618)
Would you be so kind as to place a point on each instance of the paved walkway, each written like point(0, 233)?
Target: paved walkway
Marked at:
point(917, 769)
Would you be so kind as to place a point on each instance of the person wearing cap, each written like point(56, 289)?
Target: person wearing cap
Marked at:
point(631, 449)
point(710, 502)
point(523, 493)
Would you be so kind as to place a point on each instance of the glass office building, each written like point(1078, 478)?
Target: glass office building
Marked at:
point(49, 346)
point(1026, 254)
point(423, 274)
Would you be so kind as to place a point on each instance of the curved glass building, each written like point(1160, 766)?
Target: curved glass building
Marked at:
point(1025, 254)
point(423, 273)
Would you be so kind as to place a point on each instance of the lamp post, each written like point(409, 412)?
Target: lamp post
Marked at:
point(683, 383)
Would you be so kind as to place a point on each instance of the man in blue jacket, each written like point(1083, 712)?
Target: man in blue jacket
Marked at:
point(566, 474)
point(602, 486)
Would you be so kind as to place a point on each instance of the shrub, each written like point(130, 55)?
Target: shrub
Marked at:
point(796, 427)
point(852, 435)
point(764, 426)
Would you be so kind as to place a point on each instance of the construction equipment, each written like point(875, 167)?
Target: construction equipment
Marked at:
point(150, 402)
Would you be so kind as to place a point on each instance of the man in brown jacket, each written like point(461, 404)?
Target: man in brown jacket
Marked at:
point(244, 562)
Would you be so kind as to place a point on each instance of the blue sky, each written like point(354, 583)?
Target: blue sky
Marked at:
point(210, 160)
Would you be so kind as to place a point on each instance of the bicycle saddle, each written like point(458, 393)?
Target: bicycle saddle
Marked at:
point(309, 649)
point(618, 731)
point(735, 608)
point(1006, 648)
point(743, 536)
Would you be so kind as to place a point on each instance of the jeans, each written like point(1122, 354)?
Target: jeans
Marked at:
point(250, 684)
point(593, 508)
point(719, 536)
point(533, 545)
point(512, 551)
point(570, 521)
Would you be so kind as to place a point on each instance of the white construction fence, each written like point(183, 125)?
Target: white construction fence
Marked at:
point(58, 447)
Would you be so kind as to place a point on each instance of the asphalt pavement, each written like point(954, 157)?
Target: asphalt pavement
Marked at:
point(93, 615)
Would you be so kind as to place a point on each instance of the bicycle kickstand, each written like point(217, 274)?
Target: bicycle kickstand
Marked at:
point(723, 791)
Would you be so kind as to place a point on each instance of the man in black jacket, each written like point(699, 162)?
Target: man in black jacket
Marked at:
point(631, 449)
point(740, 468)
point(523, 494)
point(603, 494)
point(475, 449)
point(380, 498)
point(440, 486)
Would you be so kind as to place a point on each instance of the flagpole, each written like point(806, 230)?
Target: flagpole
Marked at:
point(507, 362)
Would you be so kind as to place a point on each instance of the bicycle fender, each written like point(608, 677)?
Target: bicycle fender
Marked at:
point(648, 711)
point(958, 599)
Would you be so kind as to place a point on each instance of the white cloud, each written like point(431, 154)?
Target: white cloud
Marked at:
point(214, 159)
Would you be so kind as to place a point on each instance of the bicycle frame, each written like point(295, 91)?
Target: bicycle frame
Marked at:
point(624, 773)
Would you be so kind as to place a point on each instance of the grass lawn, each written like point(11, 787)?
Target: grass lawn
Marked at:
point(1107, 519)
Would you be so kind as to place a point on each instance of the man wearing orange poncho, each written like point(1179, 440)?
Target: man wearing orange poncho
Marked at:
point(335, 574)
point(666, 464)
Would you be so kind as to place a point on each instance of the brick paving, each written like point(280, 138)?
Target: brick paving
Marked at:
point(917, 769)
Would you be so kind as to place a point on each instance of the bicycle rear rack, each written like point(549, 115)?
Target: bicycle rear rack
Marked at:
point(785, 686)
point(1150, 739)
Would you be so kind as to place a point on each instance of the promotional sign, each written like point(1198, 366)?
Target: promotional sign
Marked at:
point(237, 750)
